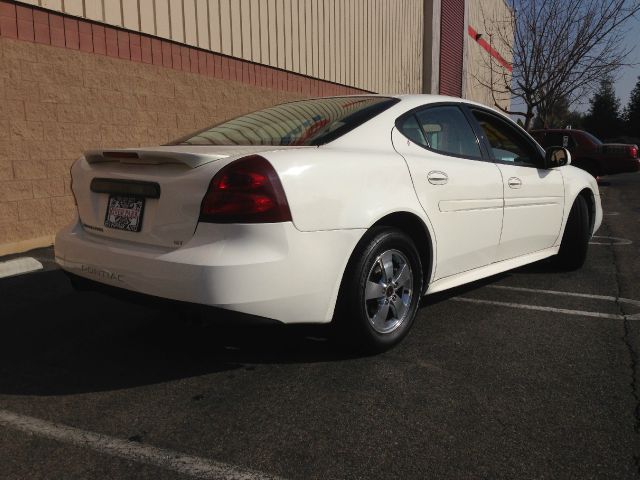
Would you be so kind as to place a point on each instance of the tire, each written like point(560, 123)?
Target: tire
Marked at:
point(575, 241)
point(375, 312)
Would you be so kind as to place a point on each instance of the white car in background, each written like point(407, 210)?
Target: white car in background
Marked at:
point(343, 209)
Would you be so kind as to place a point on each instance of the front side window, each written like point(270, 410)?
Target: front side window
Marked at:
point(507, 145)
point(307, 122)
point(444, 129)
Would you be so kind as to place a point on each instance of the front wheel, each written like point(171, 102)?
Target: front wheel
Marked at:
point(575, 241)
point(380, 292)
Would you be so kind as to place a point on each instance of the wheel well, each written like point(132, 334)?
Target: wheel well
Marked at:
point(591, 206)
point(413, 226)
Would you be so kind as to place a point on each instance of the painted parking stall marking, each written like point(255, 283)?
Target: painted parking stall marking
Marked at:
point(190, 465)
point(18, 266)
point(609, 241)
point(569, 294)
point(542, 308)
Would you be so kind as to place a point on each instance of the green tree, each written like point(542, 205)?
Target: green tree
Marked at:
point(557, 115)
point(632, 113)
point(558, 49)
point(603, 119)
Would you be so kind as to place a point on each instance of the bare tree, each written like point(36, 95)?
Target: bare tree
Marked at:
point(560, 49)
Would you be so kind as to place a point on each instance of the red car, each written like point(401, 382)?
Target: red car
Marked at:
point(589, 153)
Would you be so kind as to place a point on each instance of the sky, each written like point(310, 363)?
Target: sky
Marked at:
point(626, 78)
point(629, 75)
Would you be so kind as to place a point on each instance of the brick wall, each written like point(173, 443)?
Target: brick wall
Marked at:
point(67, 86)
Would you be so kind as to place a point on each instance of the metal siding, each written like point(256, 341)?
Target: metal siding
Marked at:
point(147, 22)
point(113, 12)
point(487, 19)
point(288, 43)
point(236, 29)
point(190, 23)
point(163, 26)
point(273, 34)
point(225, 27)
point(176, 20)
point(370, 44)
point(202, 17)
point(451, 47)
point(52, 4)
point(280, 35)
point(74, 7)
point(302, 35)
point(130, 18)
point(295, 36)
point(93, 11)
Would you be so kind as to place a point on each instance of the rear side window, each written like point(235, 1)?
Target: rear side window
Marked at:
point(308, 122)
point(411, 129)
point(444, 129)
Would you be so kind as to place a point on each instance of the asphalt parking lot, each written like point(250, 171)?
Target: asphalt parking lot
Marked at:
point(529, 374)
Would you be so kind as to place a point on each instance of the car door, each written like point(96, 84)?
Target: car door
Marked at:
point(459, 189)
point(533, 195)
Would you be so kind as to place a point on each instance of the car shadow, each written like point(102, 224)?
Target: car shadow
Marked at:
point(56, 341)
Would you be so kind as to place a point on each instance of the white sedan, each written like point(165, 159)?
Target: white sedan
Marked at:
point(343, 210)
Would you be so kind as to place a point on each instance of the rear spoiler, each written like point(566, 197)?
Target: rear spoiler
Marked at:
point(150, 157)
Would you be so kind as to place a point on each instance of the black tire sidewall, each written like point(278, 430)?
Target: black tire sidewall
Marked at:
point(377, 242)
point(575, 241)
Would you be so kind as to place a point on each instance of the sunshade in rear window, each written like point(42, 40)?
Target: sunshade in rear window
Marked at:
point(307, 122)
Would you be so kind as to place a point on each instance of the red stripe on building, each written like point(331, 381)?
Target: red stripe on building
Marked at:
point(492, 51)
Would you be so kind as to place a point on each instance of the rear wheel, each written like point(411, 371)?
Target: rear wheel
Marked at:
point(380, 292)
point(575, 241)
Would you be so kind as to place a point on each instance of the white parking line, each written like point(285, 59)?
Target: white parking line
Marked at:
point(583, 313)
point(569, 294)
point(543, 309)
point(184, 464)
point(18, 266)
point(602, 240)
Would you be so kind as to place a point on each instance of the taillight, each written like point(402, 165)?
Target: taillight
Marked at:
point(633, 150)
point(247, 190)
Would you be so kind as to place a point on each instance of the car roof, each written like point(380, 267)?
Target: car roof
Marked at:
point(412, 100)
point(556, 130)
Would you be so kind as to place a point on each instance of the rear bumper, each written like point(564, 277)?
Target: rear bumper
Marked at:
point(267, 270)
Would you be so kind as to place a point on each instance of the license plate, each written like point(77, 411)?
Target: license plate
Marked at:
point(124, 213)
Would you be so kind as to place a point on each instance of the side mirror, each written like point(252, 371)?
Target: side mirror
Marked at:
point(557, 157)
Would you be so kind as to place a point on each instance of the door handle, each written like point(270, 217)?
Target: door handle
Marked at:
point(437, 178)
point(514, 182)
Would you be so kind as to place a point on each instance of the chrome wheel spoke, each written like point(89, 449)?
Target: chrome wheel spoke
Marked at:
point(404, 277)
point(374, 290)
point(386, 261)
point(398, 308)
point(389, 285)
point(380, 318)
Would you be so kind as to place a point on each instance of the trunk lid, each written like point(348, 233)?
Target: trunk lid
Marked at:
point(616, 150)
point(149, 195)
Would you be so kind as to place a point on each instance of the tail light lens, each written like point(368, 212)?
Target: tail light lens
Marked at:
point(247, 190)
point(633, 151)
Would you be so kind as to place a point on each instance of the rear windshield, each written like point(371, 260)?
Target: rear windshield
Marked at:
point(308, 122)
point(593, 139)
